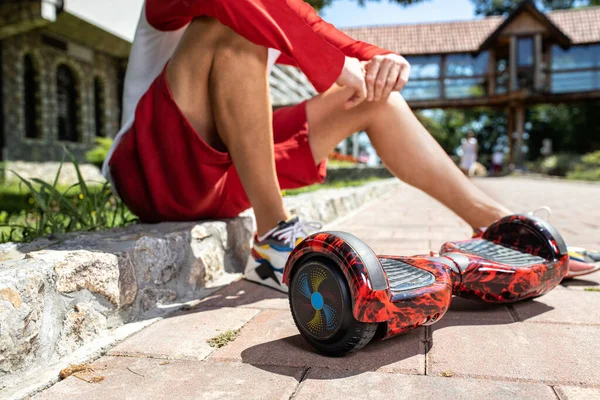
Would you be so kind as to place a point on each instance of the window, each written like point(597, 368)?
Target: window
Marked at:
point(525, 57)
point(67, 104)
point(462, 65)
point(31, 98)
point(99, 108)
point(502, 75)
point(424, 83)
point(576, 69)
point(466, 75)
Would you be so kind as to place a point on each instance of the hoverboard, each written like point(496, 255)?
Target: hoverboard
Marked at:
point(342, 295)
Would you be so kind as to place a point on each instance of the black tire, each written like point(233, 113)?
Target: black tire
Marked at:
point(325, 317)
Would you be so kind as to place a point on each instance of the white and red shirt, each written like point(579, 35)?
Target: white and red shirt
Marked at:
point(291, 30)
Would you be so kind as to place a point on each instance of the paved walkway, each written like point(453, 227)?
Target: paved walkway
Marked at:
point(547, 348)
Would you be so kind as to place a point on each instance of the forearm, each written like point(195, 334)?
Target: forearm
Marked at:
point(347, 45)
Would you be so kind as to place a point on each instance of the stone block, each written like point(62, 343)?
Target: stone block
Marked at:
point(329, 384)
point(184, 336)
point(548, 353)
point(139, 378)
point(81, 325)
point(23, 286)
point(84, 270)
point(577, 393)
point(272, 339)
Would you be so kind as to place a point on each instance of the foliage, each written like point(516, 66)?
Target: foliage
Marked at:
point(572, 128)
point(449, 127)
point(55, 211)
point(16, 197)
point(588, 169)
point(320, 4)
point(223, 338)
point(592, 159)
point(98, 154)
point(559, 164)
point(503, 7)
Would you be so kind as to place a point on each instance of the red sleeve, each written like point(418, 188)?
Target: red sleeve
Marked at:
point(276, 24)
point(350, 47)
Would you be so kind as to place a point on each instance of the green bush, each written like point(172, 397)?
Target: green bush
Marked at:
point(2, 173)
point(585, 175)
point(41, 208)
point(588, 169)
point(559, 164)
point(591, 159)
point(98, 154)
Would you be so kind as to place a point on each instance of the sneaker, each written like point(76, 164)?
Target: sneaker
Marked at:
point(581, 261)
point(271, 251)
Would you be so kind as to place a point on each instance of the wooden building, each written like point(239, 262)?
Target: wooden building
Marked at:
point(509, 63)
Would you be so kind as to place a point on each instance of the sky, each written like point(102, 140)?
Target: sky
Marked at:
point(121, 16)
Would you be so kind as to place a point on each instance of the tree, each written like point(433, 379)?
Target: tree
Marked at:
point(320, 4)
point(503, 7)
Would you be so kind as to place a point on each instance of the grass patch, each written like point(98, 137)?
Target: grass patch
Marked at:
point(222, 339)
point(333, 185)
point(48, 208)
point(589, 289)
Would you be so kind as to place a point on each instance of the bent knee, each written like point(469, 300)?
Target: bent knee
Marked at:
point(394, 100)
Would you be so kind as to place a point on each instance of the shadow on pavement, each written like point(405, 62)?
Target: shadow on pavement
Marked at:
point(578, 283)
point(400, 353)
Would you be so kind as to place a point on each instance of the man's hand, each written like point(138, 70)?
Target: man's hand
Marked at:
point(385, 74)
point(353, 77)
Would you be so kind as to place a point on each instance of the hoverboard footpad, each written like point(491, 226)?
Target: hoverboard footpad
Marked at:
point(498, 253)
point(403, 276)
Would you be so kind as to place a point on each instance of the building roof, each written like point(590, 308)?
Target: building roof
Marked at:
point(86, 33)
point(580, 25)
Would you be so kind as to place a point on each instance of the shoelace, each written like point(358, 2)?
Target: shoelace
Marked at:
point(290, 234)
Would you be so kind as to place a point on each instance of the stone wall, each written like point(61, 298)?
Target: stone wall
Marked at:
point(355, 173)
point(47, 172)
point(86, 66)
point(59, 295)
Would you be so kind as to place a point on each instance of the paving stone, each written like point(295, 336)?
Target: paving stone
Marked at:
point(272, 339)
point(328, 384)
point(246, 294)
point(577, 393)
point(142, 378)
point(184, 336)
point(561, 306)
point(548, 353)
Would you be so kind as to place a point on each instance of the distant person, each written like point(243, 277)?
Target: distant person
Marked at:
point(200, 140)
point(546, 149)
point(497, 161)
point(470, 150)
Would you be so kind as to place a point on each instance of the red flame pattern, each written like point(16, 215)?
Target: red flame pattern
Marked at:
point(495, 283)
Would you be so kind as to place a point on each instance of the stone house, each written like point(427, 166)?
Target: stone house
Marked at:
point(60, 82)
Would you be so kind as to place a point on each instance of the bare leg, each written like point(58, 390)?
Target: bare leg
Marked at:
point(219, 81)
point(405, 147)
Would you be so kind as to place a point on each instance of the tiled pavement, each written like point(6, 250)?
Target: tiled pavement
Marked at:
point(547, 348)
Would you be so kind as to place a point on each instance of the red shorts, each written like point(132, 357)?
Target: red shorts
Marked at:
point(164, 171)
